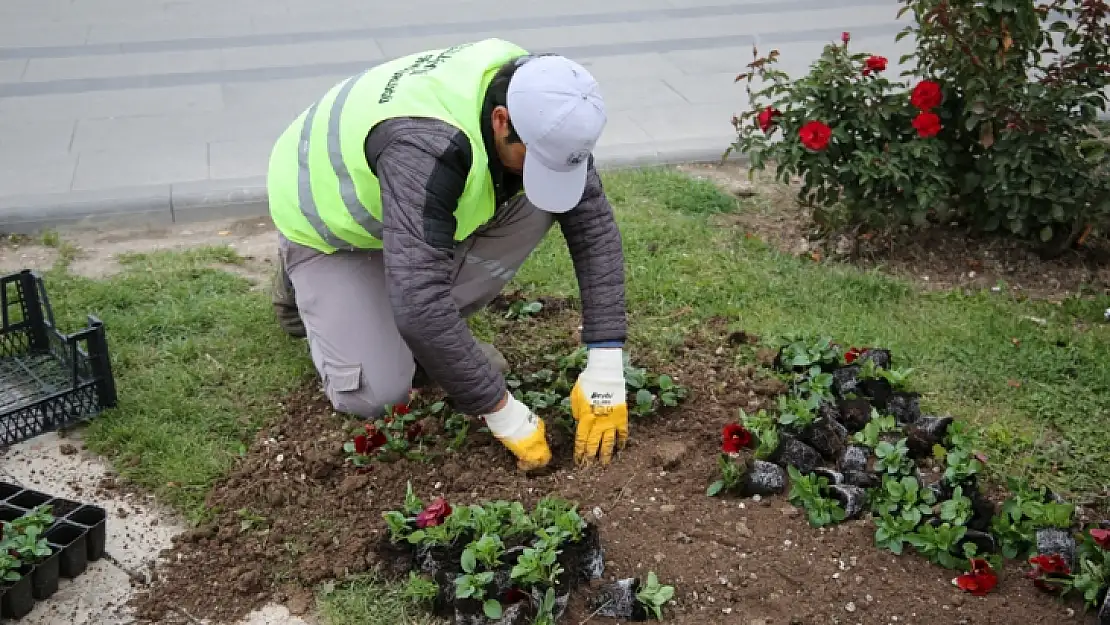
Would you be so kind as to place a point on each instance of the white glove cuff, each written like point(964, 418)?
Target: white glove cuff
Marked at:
point(513, 422)
point(606, 362)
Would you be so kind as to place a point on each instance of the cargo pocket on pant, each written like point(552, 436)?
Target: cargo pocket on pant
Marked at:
point(343, 383)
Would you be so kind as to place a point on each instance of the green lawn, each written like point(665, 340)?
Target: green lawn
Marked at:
point(200, 362)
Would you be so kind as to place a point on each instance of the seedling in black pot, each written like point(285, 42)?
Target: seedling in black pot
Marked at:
point(17, 596)
point(653, 595)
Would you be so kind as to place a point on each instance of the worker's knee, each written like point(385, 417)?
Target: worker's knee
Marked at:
point(350, 392)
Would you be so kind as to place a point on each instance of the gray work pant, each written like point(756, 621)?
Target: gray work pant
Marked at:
point(343, 302)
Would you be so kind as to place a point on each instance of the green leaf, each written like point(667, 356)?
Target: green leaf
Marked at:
point(492, 608)
point(1046, 234)
point(715, 488)
point(469, 560)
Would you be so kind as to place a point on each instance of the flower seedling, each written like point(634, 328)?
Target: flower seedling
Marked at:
point(653, 595)
point(893, 459)
point(521, 309)
point(815, 383)
point(892, 532)
point(804, 352)
point(734, 437)
point(545, 612)
point(869, 435)
point(473, 586)
point(1023, 513)
point(434, 514)
point(806, 490)
point(537, 565)
point(904, 497)
point(797, 413)
point(731, 474)
point(486, 551)
point(938, 543)
point(980, 580)
point(956, 510)
point(9, 567)
point(960, 465)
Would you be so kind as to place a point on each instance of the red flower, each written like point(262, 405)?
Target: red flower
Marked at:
point(845, 37)
point(767, 118)
point(375, 439)
point(1102, 538)
point(401, 409)
point(815, 135)
point(361, 443)
point(433, 514)
point(853, 353)
point(1045, 567)
point(874, 64)
point(734, 437)
point(927, 125)
point(926, 95)
point(980, 580)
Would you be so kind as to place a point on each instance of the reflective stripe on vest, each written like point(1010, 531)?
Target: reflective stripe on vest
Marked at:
point(361, 214)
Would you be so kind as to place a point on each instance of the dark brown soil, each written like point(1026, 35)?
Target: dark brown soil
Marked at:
point(938, 257)
point(292, 515)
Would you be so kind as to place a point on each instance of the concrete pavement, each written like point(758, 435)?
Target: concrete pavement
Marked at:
point(166, 110)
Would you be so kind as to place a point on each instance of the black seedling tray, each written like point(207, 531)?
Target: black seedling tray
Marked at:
point(76, 537)
point(48, 380)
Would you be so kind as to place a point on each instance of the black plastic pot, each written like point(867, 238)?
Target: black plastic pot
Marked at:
point(44, 578)
point(846, 381)
point(618, 600)
point(982, 510)
point(762, 478)
point(855, 414)
point(9, 513)
point(17, 599)
point(878, 390)
point(585, 560)
point(863, 479)
point(983, 541)
point(855, 458)
point(1104, 613)
point(926, 432)
point(827, 436)
point(29, 499)
point(1053, 541)
point(93, 518)
point(793, 452)
point(7, 490)
point(852, 498)
point(906, 407)
point(61, 507)
point(70, 540)
point(396, 559)
point(431, 560)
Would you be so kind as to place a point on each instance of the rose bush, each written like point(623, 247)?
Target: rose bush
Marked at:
point(993, 124)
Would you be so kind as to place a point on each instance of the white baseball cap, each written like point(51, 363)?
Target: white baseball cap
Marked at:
point(556, 107)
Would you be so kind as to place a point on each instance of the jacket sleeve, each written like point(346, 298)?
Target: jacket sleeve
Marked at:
point(594, 242)
point(421, 166)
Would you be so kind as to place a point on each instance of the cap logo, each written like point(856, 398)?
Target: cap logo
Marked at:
point(576, 158)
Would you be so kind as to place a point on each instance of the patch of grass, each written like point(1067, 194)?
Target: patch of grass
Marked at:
point(199, 361)
point(366, 601)
point(1042, 405)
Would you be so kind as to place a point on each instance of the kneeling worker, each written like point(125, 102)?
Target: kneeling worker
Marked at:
point(398, 200)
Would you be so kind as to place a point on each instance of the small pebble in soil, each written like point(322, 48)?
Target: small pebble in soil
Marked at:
point(851, 607)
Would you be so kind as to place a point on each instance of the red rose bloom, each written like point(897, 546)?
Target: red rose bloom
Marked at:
point(401, 409)
point(874, 64)
point(734, 437)
point(767, 118)
point(980, 580)
point(852, 354)
point(1101, 538)
point(815, 135)
point(434, 513)
point(845, 37)
point(361, 443)
point(926, 95)
point(1047, 567)
point(927, 125)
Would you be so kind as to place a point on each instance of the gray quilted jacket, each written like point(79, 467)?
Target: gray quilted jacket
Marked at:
point(422, 166)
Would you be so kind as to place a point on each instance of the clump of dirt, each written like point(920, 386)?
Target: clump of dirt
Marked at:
point(549, 306)
point(292, 514)
point(936, 257)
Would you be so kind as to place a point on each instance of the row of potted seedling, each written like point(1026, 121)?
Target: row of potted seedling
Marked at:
point(849, 438)
point(499, 563)
point(43, 538)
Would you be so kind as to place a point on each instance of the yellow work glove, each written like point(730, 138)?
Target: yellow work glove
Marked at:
point(522, 432)
point(599, 405)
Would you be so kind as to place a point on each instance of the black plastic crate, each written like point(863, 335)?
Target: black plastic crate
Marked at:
point(49, 380)
point(76, 538)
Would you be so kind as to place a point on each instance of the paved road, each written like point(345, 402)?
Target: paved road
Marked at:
point(168, 108)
